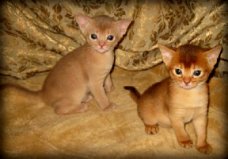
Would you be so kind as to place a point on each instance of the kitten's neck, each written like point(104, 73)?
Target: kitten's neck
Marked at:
point(188, 98)
point(97, 59)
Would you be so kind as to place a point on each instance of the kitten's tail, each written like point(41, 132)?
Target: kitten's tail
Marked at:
point(134, 93)
point(20, 93)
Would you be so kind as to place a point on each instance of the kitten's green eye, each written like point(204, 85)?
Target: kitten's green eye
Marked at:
point(110, 37)
point(197, 73)
point(178, 71)
point(93, 36)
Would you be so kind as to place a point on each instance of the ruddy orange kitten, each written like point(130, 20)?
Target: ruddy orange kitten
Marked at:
point(182, 97)
point(85, 72)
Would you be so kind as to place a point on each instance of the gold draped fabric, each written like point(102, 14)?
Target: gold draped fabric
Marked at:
point(36, 34)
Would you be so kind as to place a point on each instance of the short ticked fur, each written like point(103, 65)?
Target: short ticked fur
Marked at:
point(181, 98)
point(85, 72)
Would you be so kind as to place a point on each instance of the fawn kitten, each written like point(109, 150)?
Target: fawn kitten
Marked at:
point(182, 97)
point(85, 72)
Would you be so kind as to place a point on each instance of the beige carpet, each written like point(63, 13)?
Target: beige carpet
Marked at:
point(31, 129)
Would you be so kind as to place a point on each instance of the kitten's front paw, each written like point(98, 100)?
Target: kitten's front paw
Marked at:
point(110, 107)
point(152, 129)
point(206, 149)
point(186, 143)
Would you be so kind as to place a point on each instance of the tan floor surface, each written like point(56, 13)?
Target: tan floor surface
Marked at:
point(30, 129)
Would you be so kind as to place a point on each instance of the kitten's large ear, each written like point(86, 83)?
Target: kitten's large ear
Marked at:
point(167, 54)
point(212, 55)
point(123, 25)
point(83, 22)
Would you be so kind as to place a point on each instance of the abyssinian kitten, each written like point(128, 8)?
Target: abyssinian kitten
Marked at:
point(85, 72)
point(182, 97)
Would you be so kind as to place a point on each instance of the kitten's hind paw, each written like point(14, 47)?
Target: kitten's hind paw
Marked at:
point(206, 149)
point(186, 144)
point(152, 129)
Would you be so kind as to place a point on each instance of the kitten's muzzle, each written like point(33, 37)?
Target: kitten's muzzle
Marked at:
point(101, 44)
point(187, 80)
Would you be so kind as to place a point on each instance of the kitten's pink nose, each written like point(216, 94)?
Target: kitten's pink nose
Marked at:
point(101, 43)
point(187, 80)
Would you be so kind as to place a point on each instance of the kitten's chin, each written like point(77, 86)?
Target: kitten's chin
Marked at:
point(101, 51)
point(188, 87)
point(184, 86)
